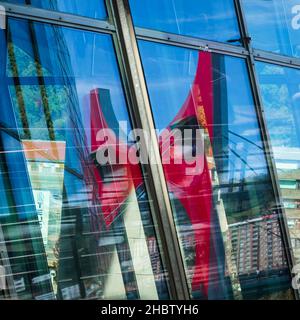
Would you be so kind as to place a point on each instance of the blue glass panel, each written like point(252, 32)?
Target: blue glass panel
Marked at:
point(274, 25)
point(91, 8)
point(212, 20)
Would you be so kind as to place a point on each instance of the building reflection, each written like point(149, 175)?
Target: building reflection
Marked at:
point(288, 168)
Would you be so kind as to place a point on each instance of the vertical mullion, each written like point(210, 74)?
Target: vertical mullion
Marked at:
point(143, 119)
point(266, 138)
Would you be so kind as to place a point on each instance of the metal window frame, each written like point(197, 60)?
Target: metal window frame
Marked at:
point(125, 36)
point(57, 18)
point(190, 42)
point(269, 57)
point(142, 114)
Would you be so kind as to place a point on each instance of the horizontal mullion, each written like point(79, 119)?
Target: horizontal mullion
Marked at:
point(57, 18)
point(270, 57)
point(189, 42)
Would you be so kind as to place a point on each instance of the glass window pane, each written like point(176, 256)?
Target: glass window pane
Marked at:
point(274, 25)
point(280, 89)
point(72, 227)
point(212, 20)
point(218, 178)
point(92, 9)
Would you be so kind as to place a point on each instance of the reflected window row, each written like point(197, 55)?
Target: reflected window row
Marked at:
point(273, 25)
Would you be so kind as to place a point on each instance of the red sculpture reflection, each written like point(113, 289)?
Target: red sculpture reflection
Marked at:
point(193, 192)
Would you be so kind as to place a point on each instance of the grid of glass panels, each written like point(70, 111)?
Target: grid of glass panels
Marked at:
point(71, 228)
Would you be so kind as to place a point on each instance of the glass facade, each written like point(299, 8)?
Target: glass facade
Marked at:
point(85, 213)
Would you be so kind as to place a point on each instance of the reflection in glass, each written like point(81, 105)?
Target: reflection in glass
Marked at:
point(280, 89)
point(211, 20)
point(274, 25)
point(95, 8)
point(225, 213)
point(70, 227)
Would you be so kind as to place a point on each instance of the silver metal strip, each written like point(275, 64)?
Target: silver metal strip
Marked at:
point(58, 18)
point(270, 57)
point(142, 113)
point(190, 42)
point(266, 140)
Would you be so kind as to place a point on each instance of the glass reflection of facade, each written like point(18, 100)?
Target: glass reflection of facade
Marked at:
point(228, 224)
